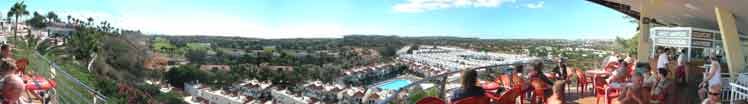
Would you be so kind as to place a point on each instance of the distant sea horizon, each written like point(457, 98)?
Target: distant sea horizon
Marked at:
point(408, 36)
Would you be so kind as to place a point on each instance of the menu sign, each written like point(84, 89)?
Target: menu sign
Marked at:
point(671, 33)
point(673, 42)
point(701, 43)
point(701, 35)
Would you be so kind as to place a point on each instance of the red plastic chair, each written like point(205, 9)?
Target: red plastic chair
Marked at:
point(509, 97)
point(659, 99)
point(519, 85)
point(473, 100)
point(610, 67)
point(489, 86)
point(500, 81)
point(600, 87)
point(431, 100)
point(539, 88)
point(504, 80)
point(582, 82)
point(35, 83)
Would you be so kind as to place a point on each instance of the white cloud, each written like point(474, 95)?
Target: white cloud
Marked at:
point(415, 6)
point(535, 5)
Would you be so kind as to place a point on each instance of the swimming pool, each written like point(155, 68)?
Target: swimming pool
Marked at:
point(395, 84)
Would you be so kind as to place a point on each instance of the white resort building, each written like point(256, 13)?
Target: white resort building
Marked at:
point(435, 60)
point(200, 92)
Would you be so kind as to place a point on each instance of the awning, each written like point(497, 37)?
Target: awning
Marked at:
point(689, 13)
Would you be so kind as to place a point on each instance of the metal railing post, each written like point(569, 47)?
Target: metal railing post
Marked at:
point(440, 79)
point(397, 96)
point(732, 94)
point(93, 95)
point(442, 87)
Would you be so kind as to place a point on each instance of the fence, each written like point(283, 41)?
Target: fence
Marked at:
point(441, 80)
point(69, 89)
point(736, 91)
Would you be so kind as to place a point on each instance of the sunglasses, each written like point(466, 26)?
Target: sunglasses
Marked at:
point(714, 93)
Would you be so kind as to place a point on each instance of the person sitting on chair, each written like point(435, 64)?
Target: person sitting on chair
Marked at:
point(12, 84)
point(714, 95)
point(513, 78)
point(632, 91)
point(619, 75)
point(536, 71)
point(661, 84)
point(558, 93)
point(469, 86)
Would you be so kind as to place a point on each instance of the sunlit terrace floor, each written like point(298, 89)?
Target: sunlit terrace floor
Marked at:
point(683, 94)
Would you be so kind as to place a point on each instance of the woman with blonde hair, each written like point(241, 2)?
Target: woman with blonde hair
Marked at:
point(558, 93)
point(712, 78)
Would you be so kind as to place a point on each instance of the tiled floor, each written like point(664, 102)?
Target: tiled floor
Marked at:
point(684, 94)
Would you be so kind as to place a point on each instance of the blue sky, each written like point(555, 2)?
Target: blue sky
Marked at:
point(568, 19)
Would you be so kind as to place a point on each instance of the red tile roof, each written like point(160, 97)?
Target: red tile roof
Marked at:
point(374, 96)
point(359, 94)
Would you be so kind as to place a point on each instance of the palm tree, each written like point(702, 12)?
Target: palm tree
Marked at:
point(18, 10)
point(52, 16)
point(69, 17)
point(90, 20)
point(85, 44)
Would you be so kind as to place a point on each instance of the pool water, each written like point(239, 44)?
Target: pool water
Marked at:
point(395, 84)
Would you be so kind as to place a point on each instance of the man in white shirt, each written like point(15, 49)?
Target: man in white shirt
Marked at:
point(662, 61)
point(682, 72)
point(682, 57)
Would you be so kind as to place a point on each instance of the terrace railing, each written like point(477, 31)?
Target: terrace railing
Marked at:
point(736, 90)
point(69, 89)
point(441, 80)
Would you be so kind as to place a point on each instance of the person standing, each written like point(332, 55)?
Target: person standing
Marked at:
point(682, 72)
point(662, 59)
point(560, 69)
point(713, 77)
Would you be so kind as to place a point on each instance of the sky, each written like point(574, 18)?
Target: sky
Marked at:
point(564, 19)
